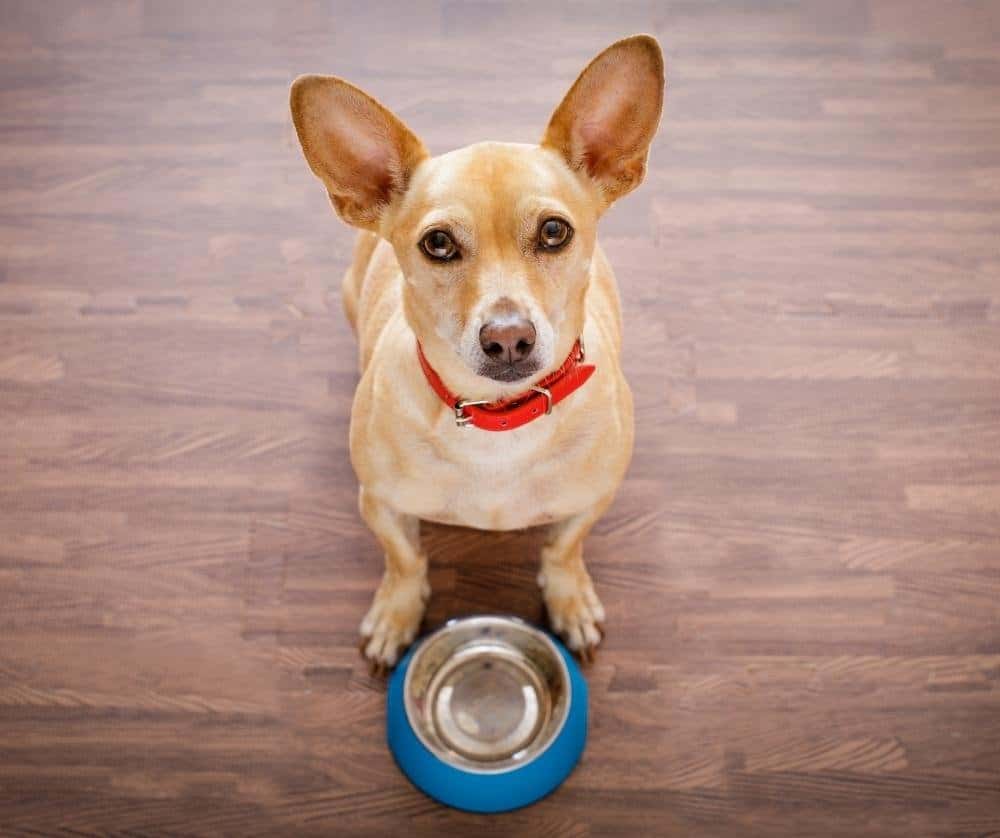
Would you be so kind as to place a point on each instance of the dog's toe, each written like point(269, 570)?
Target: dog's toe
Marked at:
point(383, 646)
point(392, 622)
point(577, 618)
point(583, 637)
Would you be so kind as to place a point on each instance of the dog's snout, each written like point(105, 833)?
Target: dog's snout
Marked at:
point(508, 339)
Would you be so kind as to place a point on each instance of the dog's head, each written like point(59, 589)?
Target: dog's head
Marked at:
point(495, 239)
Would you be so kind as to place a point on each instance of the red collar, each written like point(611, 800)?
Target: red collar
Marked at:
point(507, 414)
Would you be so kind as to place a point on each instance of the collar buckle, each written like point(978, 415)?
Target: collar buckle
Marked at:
point(548, 398)
point(461, 419)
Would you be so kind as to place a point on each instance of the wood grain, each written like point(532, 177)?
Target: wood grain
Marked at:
point(802, 570)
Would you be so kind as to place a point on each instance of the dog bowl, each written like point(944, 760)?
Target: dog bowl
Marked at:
point(487, 714)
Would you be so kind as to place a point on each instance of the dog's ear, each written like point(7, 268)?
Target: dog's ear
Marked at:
point(606, 122)
point(362, 152)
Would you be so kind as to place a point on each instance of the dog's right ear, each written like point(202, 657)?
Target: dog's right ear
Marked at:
point(362, 152)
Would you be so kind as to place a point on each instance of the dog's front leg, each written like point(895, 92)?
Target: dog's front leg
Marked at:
point(395, 614)
point(575, 612)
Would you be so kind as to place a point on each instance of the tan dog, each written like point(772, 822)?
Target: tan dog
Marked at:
point(488, 257)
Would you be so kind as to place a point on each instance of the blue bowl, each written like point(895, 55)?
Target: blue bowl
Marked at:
point(487, 714)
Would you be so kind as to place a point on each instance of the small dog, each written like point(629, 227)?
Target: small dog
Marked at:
point(489, 325)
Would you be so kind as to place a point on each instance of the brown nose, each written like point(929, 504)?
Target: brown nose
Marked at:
point(510, 338)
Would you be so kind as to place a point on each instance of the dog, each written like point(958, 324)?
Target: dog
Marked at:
point(489, 328)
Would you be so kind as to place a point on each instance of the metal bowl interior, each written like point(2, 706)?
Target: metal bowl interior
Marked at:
point(487, 694)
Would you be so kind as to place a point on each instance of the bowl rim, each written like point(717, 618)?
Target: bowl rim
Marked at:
point(556, 656)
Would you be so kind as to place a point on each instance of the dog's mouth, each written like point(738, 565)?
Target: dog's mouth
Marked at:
point(506, 372)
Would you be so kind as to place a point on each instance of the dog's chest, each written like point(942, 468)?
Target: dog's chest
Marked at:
point(502, 481)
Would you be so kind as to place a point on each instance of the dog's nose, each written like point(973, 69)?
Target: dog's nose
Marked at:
point(510, 338)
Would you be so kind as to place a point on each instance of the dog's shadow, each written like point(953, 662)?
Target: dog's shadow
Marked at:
point(476, 572)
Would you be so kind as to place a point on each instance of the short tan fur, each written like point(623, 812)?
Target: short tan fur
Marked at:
point(490, 201)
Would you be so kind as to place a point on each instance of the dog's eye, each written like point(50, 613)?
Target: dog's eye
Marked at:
point(439, 245)
point(554, 233)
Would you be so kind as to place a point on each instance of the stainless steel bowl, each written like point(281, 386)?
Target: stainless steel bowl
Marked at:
point(487, 694)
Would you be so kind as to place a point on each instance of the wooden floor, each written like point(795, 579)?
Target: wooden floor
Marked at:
point(802, 570)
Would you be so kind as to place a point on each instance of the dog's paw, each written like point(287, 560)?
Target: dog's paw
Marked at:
point(575, 612)
point(393, 620)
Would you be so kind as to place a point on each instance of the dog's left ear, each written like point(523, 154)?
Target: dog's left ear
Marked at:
point(606, 122)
